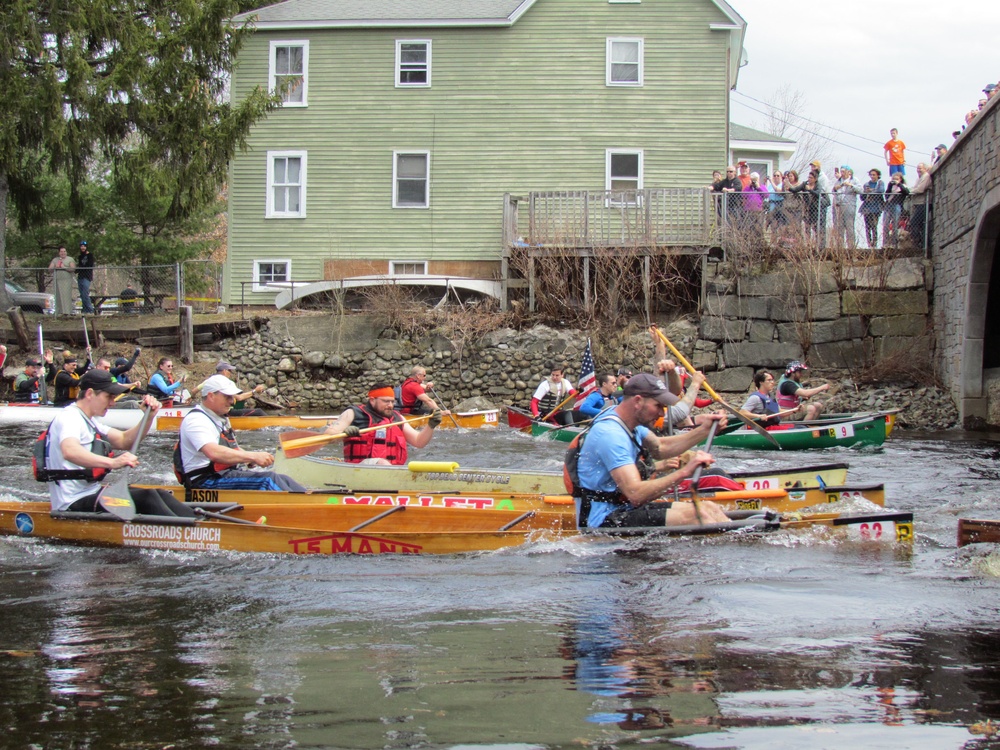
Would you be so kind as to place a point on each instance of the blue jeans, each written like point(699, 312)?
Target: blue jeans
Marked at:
point(84, 286)
point(893, 168)
point(242, 479)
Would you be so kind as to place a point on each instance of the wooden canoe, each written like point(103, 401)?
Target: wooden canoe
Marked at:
point(779, 500)
point(870, 430)
point(467, 419)
point(403, 531)
point(972, 531)
point(447, 476)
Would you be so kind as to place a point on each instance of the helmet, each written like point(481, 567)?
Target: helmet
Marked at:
point(794, 366)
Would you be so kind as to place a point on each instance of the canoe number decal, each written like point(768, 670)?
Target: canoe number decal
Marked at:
point(153, 536)
point(764, 483)
point(841, 431)
point(23, 523)
point(490, 417)
point(881, 531)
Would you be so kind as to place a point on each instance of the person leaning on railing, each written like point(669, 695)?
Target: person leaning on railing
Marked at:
point(918, 205)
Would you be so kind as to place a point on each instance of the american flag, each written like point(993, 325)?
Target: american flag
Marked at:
point(588, 381)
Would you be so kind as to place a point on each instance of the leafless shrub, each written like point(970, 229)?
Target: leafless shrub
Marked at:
point(899, 366)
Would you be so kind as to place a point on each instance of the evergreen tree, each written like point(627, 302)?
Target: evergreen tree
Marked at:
point(139, 84)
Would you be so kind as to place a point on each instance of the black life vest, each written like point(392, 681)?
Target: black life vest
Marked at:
point(389, 443)
point(99, 446)
point(159, 394)
point(227, 439)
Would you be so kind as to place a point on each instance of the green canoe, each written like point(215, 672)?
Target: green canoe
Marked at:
point(868, 430)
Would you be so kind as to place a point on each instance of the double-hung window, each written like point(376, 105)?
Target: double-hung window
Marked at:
point(624, 61)
point(413, 63)
point(288, 72)
point(411, 172)
point(286, 185)
point(623, 175)
point(269, 271)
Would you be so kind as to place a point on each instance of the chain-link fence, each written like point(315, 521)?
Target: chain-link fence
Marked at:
point(113, 290)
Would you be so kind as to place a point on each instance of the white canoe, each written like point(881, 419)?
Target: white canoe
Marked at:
point(121, 418)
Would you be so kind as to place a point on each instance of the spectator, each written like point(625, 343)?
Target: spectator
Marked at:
point(894, 197)
point(776, 200)
point(872, 204)
point(939, 151)
point(84, 277)
point(845, 207)
point(62, 267)
point(919, 205)
point(895, 154)
point(744, 175)
point(731, 184)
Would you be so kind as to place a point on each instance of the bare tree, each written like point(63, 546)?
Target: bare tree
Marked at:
point(786, 117)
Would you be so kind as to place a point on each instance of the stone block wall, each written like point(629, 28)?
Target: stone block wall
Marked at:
point(843, 318)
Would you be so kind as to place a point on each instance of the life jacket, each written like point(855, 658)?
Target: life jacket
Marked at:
point(388, 443)
point(159, 394)
point(99, 446)
point(770, 405)
point(786, 402)
point(227, 439)
point(66, 394)
point(30, 396)
point(414, 407)
point(552, 399)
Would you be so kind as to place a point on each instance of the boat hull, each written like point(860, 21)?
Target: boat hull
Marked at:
point(973, 531)
point(866, 431)
point(443, 476)
point(469, 420)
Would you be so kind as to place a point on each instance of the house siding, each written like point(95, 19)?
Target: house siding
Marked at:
point(511, 110)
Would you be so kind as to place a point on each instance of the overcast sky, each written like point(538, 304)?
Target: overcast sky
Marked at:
point(868, 65)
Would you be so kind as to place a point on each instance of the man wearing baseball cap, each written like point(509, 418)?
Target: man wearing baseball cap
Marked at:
point(791, 393)
point(613, 493)
point(76, 453)
point(27, 385)
point(207, 454)
point(240, 409)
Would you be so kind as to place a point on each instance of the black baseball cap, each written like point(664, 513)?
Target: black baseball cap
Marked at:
point(650, 386)
point(101, 380)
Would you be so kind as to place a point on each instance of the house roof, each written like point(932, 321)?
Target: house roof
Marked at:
point(357, 13)
point(743, 133)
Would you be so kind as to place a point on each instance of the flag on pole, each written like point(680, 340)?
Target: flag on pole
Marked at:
point(588, 380)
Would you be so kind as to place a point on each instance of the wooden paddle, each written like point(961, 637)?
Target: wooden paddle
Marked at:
point(558, 407)
point(711, 391)
point(303, 445)
point(441, 405)
point(117, 498)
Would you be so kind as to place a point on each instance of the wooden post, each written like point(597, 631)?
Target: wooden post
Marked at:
point(186, 333)
point(20, 325)
point(95, 335)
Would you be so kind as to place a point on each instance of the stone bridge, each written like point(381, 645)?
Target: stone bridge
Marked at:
point(963, 244)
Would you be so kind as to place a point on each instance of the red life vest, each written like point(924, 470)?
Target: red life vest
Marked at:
point(388, 443)
point(786, 402)
point(407, 408)
point(227, 439)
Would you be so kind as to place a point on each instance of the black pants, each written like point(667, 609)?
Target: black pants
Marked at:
point(650, 514)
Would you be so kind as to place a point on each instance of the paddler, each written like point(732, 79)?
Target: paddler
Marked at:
point(382, 446)
point(791, 393)
point(612, 490)
point(760, 402)
point(240, 409)
point(75, 454)
point(207, 454)
point(67, 380)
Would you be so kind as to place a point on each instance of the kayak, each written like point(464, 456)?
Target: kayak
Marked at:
point(447, 476)
point(866, 430)
point(334, 530)
point(780, 500)
point(466, 419)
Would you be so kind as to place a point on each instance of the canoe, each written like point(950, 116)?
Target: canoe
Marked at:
point(869, 430)
point(403, 530)
point(779, 500)
point(466, 419)
point(972, 531)
point(825, 420)
point(119, 418)
point(444, 476)
point(519, 419)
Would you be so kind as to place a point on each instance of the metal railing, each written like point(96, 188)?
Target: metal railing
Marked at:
point(115, 290)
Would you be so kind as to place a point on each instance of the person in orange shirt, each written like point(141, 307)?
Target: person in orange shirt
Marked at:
point(895, 153)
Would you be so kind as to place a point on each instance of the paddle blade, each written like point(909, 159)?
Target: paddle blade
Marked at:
point(304, 446)
point(117, 500)
point(297, 435)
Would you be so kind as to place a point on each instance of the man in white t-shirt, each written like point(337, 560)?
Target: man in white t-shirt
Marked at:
point(207, 454)
point(78, 444)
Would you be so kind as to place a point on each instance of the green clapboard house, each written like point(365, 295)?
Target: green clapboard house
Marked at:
point(435, 136)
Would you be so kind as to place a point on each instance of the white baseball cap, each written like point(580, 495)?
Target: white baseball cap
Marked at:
point(220, 384)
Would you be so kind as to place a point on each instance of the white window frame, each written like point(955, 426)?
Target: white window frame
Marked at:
point(269, 211)
point(395, 183)
point(623, 2)
point(393, 271)
point(609, 58)
point(608, 176)
point(265, 288)
point(272, 74)
point(399, 64)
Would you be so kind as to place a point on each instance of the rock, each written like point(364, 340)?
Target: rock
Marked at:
point(286, 365)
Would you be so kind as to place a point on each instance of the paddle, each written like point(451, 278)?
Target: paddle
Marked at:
point(711, 391)
point(558, 407)
point(696, 477)
point(43, 388)
point(304, 445)
point(117, 498)
point(442, 406)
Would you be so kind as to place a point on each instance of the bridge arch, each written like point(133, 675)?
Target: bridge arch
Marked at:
point(981, 344)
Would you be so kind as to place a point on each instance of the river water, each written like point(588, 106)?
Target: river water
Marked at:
point(785, 640)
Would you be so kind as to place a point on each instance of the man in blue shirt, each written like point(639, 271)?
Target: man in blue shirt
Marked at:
point(604, 396)
point(613, 491)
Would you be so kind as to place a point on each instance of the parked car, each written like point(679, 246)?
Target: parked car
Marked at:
point(36, 302)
